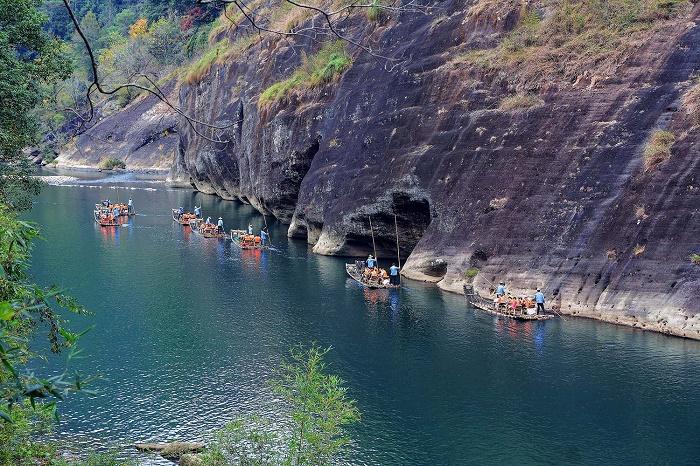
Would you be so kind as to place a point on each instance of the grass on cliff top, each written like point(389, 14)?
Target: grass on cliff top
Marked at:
point(323, 67)
point(658, 149)
point(222, 51)
point(571, 38)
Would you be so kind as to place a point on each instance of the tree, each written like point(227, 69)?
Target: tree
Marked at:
point(165, 41)
point(29, 60)
point(319, 411)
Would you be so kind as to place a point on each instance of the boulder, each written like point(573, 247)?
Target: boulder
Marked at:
point(171, 450)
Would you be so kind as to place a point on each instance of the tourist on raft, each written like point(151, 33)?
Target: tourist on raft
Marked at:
point(198, 211)
point(220, 225)
point(394, 275)
point(115, 212)
point(539, 299)
point(264, 237)
point(208, 220)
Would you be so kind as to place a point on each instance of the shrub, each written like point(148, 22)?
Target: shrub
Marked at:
point(520, 101)
point(639, 249)
point(111, 163)
point(470, 273)
point(658, 148)
point(695, 259)
point(331, 61)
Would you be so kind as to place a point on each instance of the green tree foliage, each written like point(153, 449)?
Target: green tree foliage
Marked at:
point(27, 400)
point(29, 60)
point(319, 411)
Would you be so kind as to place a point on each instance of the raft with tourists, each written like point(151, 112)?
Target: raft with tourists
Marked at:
point(124, 210)
point(185, 218)
point(245, 240)
point(368, 274)
point(207, 229)
point(523, 309)
point(105, 219)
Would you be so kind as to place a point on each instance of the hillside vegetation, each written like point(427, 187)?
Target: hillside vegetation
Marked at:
point(568, 38)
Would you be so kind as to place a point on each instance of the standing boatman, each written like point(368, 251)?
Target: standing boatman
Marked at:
point(371, 262)
point(198, 211)
point(394, 278)
point(130, 207)
point(208, 220)
point(501, 289)
point(220, 225)
point(264, 237)
point(250, 228)
point(539, 299)
point(115, 212)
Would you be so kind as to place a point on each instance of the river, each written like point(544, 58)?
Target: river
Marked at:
point(188, 330)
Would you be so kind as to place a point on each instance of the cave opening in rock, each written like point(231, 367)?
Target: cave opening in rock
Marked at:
point(411, 216)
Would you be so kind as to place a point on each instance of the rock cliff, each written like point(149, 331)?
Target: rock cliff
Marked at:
point(532, 171)
point(143, 135)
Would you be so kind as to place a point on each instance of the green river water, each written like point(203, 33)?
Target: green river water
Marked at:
point(188, 330)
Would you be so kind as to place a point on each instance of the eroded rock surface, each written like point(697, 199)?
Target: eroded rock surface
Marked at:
point(545, 196)
point(143, 135)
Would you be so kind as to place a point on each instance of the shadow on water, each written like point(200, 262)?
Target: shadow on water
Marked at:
point(188, 330)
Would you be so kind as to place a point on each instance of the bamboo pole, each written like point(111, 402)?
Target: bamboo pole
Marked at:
point(374, 246)
point(398, 250)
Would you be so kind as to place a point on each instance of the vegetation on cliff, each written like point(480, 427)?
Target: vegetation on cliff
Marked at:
point(658, 149)
point(327, 64)
point(566, 38)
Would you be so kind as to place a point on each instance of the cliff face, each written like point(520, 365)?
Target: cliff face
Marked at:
point(143, 134)
point(554, 193)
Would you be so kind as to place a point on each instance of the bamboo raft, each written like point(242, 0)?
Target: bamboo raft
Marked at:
point(104, 222)
point(124, 210)
point(186, 218)
point(488, 305)
point(352, 271)
point(208, 230)
point(241, 239)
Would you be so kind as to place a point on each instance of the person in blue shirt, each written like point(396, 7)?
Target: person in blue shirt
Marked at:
point(250, 229)
point(501, 289)
point(264, 237)
point(371, 262)
point(198, 211)
point(394, 275)
point(220, 225)
point(115, 212)
point(539, 300)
